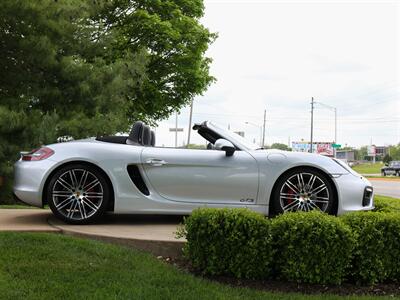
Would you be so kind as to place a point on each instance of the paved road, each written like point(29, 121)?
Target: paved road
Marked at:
point(386, 187)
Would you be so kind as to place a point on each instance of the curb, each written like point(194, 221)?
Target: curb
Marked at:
point(171, 249)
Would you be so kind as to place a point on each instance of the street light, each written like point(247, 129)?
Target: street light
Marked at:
point(259, 127)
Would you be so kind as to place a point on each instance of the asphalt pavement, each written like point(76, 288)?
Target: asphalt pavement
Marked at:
point(386, 187)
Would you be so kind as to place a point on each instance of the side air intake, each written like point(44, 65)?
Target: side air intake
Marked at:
point(137, 179)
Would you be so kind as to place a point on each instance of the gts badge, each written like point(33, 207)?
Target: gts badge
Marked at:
point(247, 200)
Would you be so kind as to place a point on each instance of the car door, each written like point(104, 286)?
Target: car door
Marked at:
point(190, 175)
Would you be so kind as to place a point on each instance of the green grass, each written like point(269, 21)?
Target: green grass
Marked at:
point(368, 168)
point(396, 178)
point(50, 266)
point(384, 203)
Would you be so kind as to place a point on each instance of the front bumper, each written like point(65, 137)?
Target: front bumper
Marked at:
point(352, 193)
point(29, 180)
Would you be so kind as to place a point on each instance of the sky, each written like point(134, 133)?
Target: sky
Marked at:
point(276, 55)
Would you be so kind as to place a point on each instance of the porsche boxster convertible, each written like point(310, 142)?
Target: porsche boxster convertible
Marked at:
point(82, 180)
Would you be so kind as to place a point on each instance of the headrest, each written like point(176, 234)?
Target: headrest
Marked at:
point(136, 134)
point(146, 135)
point(153, 138)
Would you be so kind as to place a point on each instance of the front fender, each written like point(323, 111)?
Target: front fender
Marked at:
point(274, 163)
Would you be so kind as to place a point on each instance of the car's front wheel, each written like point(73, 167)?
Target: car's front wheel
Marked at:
point(383, 173)
point(303, 189)
point(78, 194)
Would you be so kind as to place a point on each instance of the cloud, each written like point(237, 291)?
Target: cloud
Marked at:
point(337, 65)
point(277, 55)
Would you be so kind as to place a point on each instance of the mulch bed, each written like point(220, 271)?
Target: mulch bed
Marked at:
point(345, 289)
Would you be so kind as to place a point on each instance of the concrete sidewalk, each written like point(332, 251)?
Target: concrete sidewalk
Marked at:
point(34, 220)
point(155, 234)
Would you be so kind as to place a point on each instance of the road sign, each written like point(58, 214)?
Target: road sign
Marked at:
point(176, 129)
point(336, 146)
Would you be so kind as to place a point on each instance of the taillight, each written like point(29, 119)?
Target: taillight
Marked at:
point(38, 154)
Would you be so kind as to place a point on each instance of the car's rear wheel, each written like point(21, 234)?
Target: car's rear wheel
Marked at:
point(78, 194)
point(304, 189)
point(383, 173)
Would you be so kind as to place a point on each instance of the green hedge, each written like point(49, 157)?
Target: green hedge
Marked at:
point(312, 247)
point(229, 241)
point(386, 204)
point(377, 255)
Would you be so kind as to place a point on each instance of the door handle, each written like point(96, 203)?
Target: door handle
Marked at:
point(156, 162)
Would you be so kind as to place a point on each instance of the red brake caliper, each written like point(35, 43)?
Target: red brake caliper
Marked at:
point(290, 194)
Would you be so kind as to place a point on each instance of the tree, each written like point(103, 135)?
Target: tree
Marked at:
point(387, 159)
point(361, 153)
point(394, 151)
point(86, 68)
point(196, 146)
point(175, 44)
point(280, 146)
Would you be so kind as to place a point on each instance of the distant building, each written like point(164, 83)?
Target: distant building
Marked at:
point(348, 155)
point(381, 151)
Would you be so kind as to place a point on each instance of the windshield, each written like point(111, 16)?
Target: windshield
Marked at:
point(395, 163)
point(234, 137)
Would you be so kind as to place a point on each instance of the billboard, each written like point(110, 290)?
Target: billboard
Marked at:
point(371, 150)
point(323, 148)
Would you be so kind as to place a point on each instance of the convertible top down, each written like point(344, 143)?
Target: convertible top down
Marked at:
point(81, 180)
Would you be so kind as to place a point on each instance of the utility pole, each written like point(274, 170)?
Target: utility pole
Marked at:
point(335, 111)
point(176, 129)
point(312, 124)
point(334, 153)
point(335, 127)
point(190, 123)
point(263, 134)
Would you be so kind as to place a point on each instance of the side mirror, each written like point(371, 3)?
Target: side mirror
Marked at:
point(225, 145)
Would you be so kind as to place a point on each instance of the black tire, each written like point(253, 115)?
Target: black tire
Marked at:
point(383, 173)
point(293, 198)
point(76, 199)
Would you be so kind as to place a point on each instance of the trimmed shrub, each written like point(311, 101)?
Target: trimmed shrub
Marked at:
point(312, 247)
point(228, 241)
point(377, 255)
point(386, 204)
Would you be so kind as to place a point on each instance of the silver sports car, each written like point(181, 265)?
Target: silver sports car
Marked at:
point(81, 180)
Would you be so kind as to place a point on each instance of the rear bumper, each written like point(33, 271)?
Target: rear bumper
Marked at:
point(29, 180)
point(351, 191)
